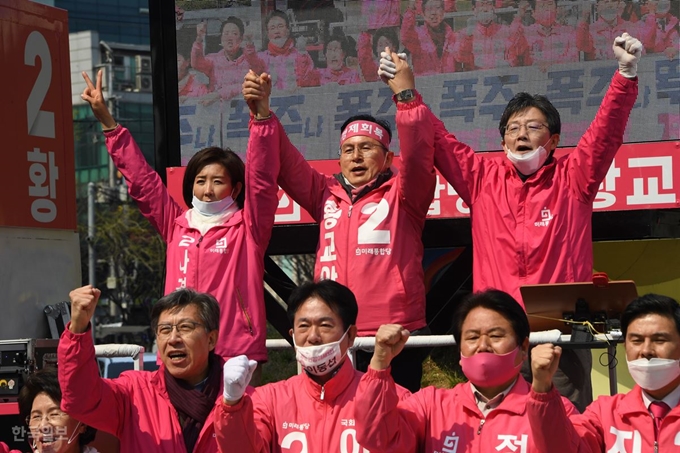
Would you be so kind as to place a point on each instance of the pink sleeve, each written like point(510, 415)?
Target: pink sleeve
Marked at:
point(5, 449)
point(255, 63)
point(584, 42)
point(238, 422)
point(262, 171)
point(457, 162)
point(550, 427)
point(589, 427)
point(409, 35)
point(416, 176)
point(198, 60)
point(645, 31)
point(369, 69)
point(144, 184)
point(589, 163)
point(463, 50)
point(85, 395)
point(306, 74)
point(308, 77)
point(297, 178)
point(518, 48)
point(377, 399)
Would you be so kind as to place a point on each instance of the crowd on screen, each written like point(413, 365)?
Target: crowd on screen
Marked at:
point(210, 326)
point(436, 37)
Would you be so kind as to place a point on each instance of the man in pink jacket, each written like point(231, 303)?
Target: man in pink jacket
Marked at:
point(531, 213)
point(313, 411)
point(225, 69)
point(645, 419)
point(166, 411)
point(431, 44)
point(486, 44)
point(289, 66)
point(662, 27)
point(549, 41)
point(371, 217)
point(593, 38)
point(486, 414)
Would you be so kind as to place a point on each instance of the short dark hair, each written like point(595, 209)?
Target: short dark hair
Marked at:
point(370, 118)
point(233, 20)
point(523, 101)
point(498, 301)
point(342, 39)
point(215, 155)
point(649, 304)
point(388, 33)
point(277, 13)
point(208, 308)
point(339, 298)
point(47, 381)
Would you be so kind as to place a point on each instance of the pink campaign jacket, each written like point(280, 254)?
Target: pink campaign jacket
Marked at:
point(663, 33)
point(372, 245)
point(550, 45)
point(367, 61)
point(295, 415)
point(596, 39)
point(539, 230)
point(228, 262)
point(618, 424)
point(226, 76)
point(442, 420)
point(423, 49)
point(492, 46)
point(134, 407)
point(289, 69)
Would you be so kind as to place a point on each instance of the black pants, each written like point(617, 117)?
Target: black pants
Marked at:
point(407, 367)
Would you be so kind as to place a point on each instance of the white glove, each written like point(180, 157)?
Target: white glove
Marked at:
point(387, 67)
point(237, 372)
point(627, 51)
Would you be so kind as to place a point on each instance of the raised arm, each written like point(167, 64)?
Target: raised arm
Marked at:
point(365, 55)
point(144, 184)
point(409, 35)
point(198, 60)
point(263, 163)
point(548, 416)
point(234, 418)
point(401, 424)
point(86, 396)
point(456, 161)
point(235, 425)
point(590, 161)
point(296, 177)
point(416, 177)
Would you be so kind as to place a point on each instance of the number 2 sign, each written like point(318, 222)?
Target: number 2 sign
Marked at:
point(36, 151)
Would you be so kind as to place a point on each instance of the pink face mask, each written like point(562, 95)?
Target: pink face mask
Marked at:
point(486, 369)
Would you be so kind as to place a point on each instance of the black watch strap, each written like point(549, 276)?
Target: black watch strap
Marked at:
point(406, 95)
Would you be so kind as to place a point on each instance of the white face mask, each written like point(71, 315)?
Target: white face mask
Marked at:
point(655, 373)
point(211, 208)
point(663, 7)
point(608, 13)
point(528, 163)
point(322, 359)
point(486, 17)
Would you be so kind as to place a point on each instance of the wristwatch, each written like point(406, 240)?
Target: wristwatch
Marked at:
point(406, 95)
